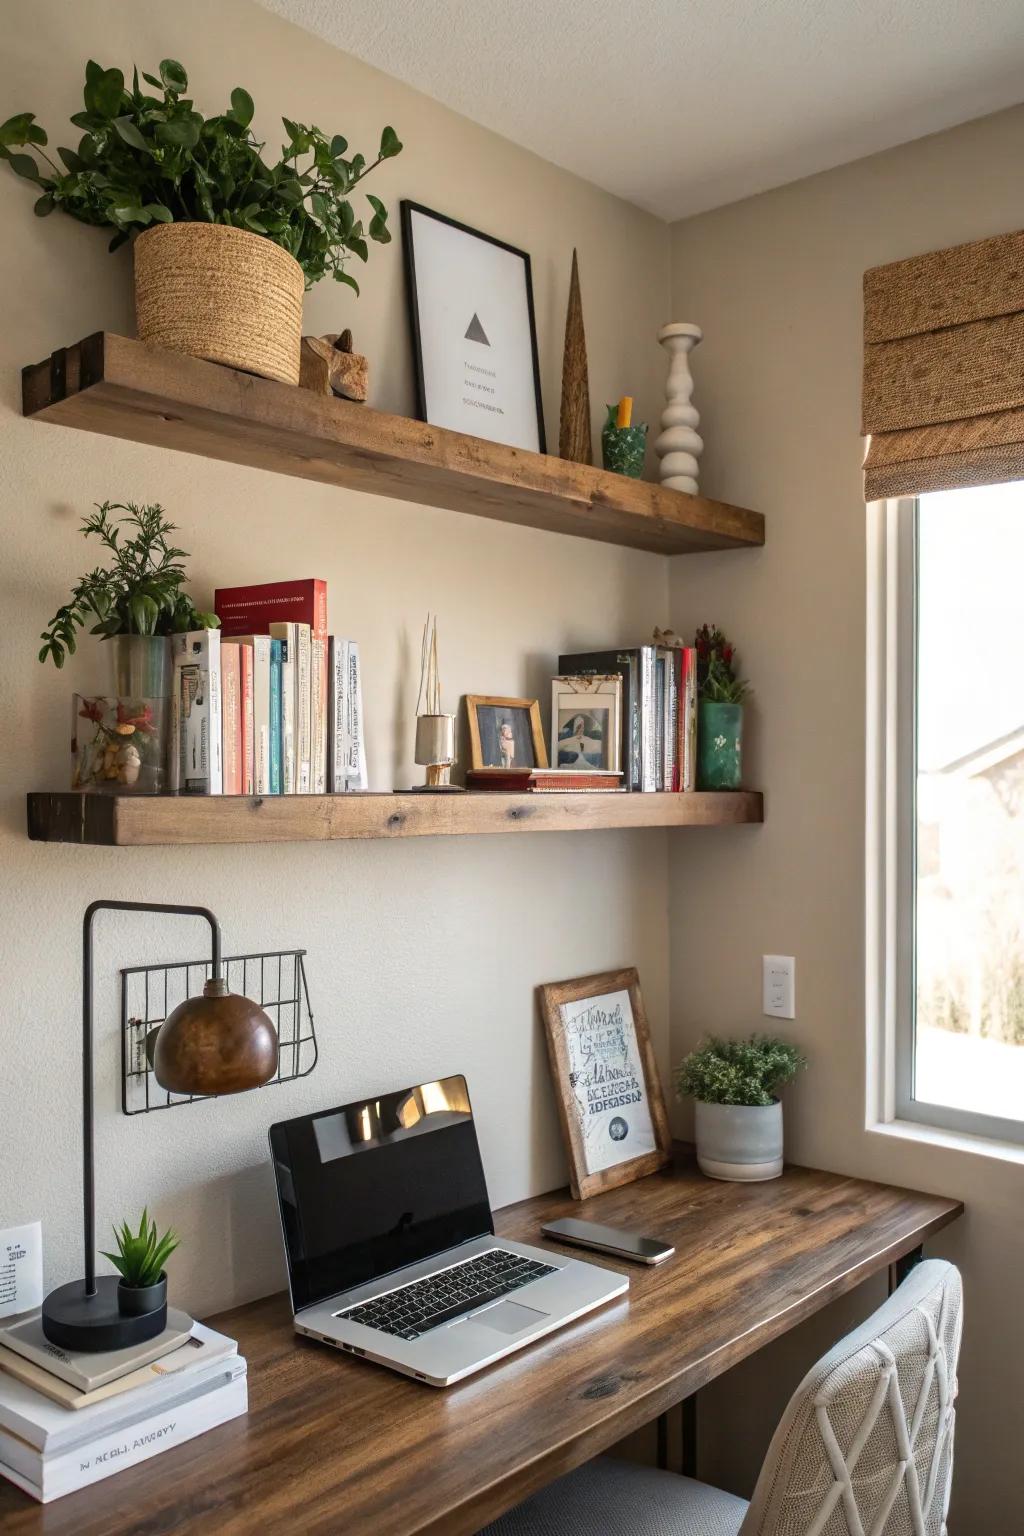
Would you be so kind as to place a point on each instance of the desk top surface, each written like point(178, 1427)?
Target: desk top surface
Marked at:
point(331, 1444)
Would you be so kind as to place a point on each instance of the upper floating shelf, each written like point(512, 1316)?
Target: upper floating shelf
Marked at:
point(123, 388)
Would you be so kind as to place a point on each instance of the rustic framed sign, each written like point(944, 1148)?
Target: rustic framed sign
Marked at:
point(606, 1080)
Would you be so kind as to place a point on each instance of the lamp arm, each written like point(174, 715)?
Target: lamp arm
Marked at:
point(88, 1116)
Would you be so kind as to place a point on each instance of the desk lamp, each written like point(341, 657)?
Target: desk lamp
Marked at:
point(215, 1044)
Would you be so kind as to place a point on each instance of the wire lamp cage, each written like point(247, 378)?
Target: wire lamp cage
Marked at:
point(277, 981)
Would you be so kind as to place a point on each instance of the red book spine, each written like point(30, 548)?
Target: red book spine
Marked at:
point(231, 717)
point(248, 733)
point(251, 610)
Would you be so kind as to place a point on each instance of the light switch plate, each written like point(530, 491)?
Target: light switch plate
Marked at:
point(779, 986)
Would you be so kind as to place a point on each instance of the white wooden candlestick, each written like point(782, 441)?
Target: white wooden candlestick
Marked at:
point(679, 443)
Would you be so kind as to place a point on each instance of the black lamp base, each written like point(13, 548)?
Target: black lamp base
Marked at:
point(75, 1321)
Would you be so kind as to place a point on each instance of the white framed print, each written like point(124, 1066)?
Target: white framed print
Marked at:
point(473, 330)
point(609, 1097)
point(586, 729)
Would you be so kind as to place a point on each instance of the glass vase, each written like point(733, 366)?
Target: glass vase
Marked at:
point(141, 666)
point(120, 745)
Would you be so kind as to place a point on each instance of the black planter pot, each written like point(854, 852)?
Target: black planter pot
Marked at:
point(144, 1300)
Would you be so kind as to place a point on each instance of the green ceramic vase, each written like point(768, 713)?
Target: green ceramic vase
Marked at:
point(623, 448)
point(719, 745)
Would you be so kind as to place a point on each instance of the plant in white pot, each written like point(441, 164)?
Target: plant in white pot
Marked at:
point(228, 240)
point(738, 1112)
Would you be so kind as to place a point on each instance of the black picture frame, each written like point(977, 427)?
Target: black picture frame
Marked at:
point(407, 209)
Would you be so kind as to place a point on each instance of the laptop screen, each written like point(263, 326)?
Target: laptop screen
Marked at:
point(375, 1185)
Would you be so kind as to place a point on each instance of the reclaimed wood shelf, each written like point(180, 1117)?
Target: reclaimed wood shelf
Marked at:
point(123, 388)
point(153, 821)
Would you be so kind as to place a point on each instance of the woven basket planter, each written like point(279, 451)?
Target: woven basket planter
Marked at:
point(220, 293)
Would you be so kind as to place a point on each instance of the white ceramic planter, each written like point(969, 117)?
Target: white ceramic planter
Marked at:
point(738, 1141)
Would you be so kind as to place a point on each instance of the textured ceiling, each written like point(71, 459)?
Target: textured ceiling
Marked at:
point(682, 105)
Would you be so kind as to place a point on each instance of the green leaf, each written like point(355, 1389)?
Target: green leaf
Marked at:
point(131, 213)
point(44, 205)
point(24, 165)
point(242, 107)
point(180, 131)
point(338, 146)
point(20, 130)
point(104, 93)
point(255, 225)
point(358, 246)
point(152, 80)
point(340, 276)
point(71, 160)
point(160, 213)
point(390, 144)
point(173, 77)
point(131, 135)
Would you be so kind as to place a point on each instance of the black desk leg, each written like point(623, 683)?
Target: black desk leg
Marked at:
point(899, 1271)
point(689, 1405)
point(662, 1423)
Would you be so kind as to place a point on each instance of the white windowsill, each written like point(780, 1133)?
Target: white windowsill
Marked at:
point(953, 1141)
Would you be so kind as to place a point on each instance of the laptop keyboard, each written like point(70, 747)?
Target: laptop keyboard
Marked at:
point(413, 1309)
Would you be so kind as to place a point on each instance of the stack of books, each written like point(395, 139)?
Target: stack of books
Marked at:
point(546, 780)
point(659, 711)
point(269, 704)
point(68, 1420)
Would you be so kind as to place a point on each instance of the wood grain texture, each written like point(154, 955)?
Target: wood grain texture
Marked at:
point(334, 1447)
point(167, 820)
point(123, 388)
point(574, 417)
point(552, 997)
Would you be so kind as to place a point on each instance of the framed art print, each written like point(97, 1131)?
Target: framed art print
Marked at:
point(505, 733)
point(606, 1080)
point(586, 729)
point(473, 330)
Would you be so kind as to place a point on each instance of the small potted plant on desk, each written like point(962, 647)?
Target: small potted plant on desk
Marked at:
point(720, 711)
point(738, 1112)
point(140, 1260)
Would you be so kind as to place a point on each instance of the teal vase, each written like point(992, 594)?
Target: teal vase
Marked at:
point(719, 745)
point(623, 448)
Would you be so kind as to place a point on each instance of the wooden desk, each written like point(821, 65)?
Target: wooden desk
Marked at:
point(332, 1445)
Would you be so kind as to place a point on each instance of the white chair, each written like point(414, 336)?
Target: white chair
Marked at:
point(865, 1447)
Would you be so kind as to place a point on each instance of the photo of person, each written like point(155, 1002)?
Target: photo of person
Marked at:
point(581, 738)
point(505, 733)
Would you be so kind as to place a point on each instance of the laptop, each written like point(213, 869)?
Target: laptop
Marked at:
point(390, 1241)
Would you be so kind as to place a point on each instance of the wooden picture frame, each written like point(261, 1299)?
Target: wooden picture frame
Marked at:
point(610, 1034)
point(525, 726)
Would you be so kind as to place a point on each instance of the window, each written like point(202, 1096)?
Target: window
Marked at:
point(955, 849)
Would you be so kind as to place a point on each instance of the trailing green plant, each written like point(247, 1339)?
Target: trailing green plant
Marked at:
point(141, 1256)
point(140, 593)
point(145, 159)
point(717, 681)
point(747, 1071)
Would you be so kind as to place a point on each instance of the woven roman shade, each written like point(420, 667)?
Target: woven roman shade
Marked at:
point(943, 394)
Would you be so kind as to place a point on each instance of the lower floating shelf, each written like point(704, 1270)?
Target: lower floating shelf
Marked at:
point(142, 821)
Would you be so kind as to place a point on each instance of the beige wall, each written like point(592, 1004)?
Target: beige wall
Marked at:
point(775, 282)
point(422, 956)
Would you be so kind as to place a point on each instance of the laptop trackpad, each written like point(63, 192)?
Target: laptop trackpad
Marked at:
point(509, 1317)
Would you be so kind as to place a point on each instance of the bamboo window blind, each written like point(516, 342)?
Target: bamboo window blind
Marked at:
point(943, 398)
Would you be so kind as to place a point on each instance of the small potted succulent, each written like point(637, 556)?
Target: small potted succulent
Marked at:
point(136, 602)
point(140, 1260)
point(721, 695)
point(227, 240)
point(738, 1112)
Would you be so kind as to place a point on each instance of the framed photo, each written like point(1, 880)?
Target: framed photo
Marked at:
point(473, 330)
point(606, 1080)
point(586, 723)
point(505, 733)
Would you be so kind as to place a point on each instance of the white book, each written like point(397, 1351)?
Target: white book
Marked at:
point(302, 680)
point(648, 722)
point(86, 1370)
point(337, 767)
point(260, 710)
point(51, 1477)
point(318, 691)
point(197, 713)
point(288, 634)
point(355, 735)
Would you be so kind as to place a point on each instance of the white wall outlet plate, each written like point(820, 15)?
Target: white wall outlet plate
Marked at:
point(779, 986)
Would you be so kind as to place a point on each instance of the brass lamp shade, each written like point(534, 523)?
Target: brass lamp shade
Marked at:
point(215, 1044)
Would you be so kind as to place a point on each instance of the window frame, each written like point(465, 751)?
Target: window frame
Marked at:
point(892, 833)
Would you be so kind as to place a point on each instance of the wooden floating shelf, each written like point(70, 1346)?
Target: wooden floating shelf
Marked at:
point(123, 388)
point(148, 821)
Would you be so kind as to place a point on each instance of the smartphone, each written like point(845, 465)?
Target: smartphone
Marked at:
point(624, 1245)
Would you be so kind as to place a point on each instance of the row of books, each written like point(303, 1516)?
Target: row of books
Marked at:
point(659, 711)
point(68, 1420)
point(269, 703)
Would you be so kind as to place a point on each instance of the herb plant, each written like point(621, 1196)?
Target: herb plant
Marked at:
point(747, 1072)
point(146, 159)
point(141, 1256)
point(140, 593)
point(717, 681)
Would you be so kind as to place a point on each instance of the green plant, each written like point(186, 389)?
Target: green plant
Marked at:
point(141, 593)
point(147, 159)
point(716, 668)
point(141, 1256)
point(739, 1071)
